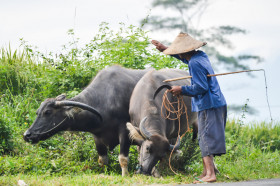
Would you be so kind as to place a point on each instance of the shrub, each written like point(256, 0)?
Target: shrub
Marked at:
point(5, 137)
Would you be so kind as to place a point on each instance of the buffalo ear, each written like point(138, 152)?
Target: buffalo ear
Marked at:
point(60, 97)
point(134, 134)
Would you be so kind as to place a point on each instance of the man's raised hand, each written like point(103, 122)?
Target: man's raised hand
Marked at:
point(159, 45)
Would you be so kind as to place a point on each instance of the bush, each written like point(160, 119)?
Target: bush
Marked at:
point(6, 144)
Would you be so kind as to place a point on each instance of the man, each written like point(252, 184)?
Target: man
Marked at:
point(207, 100)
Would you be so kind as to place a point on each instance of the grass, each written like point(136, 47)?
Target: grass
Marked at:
point(265, 165)
point(253, 163)
point(89, 179)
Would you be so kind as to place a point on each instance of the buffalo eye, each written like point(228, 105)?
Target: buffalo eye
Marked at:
point(47, 112)
point(148, 149)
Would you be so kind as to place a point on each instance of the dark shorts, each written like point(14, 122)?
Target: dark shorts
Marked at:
point(211, 131)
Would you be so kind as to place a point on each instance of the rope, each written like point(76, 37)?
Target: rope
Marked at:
point(53, 127)
point(170, 109)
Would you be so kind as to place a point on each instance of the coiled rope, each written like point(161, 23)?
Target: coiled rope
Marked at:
point(170, 109)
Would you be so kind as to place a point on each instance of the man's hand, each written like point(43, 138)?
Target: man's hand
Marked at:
point(159, 45)
point(176, 90)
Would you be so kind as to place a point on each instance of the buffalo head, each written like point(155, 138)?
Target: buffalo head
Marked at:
point(55, 115)
point(153, 147)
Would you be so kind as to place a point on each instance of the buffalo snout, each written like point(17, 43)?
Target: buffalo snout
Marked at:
point(28, 137)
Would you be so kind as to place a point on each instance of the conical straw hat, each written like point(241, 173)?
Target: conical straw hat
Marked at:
point(183, 43)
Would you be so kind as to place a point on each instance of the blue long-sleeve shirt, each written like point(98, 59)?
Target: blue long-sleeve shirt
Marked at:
point(205, 91)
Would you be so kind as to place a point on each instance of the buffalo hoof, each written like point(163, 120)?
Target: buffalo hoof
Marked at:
point(125, 172)
point(155, 173)
point(103, 160)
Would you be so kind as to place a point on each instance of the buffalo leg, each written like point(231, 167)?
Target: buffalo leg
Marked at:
point(124, 150)
point(102, 152)
point(124, 163)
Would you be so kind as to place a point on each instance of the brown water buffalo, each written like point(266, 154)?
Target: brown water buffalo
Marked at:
point(148, 129)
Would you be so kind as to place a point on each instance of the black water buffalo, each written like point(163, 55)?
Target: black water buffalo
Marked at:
point(148, 129)
point(101, 109)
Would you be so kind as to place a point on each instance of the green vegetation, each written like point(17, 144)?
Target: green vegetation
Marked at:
point(27, 77)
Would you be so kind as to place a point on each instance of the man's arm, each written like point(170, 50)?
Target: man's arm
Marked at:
point(162, 47)
point(199, 83)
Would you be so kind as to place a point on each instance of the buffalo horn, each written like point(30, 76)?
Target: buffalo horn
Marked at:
point(160, 88)
point(146, 134)
point(79, 105)
point(176, 146)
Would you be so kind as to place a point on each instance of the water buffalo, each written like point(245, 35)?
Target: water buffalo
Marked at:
point(101, 109)
point(148, 129)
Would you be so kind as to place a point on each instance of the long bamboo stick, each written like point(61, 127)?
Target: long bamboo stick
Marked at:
point(210, 75)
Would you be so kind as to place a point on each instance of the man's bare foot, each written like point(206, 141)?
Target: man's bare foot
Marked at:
point(202, 175)
point(208, 174)
point(159, 45)
point(208, 179)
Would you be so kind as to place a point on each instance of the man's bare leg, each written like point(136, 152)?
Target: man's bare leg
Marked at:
point(204, 170)
point(209, 167)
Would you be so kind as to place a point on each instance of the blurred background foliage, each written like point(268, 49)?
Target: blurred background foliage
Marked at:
point(185, 16)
